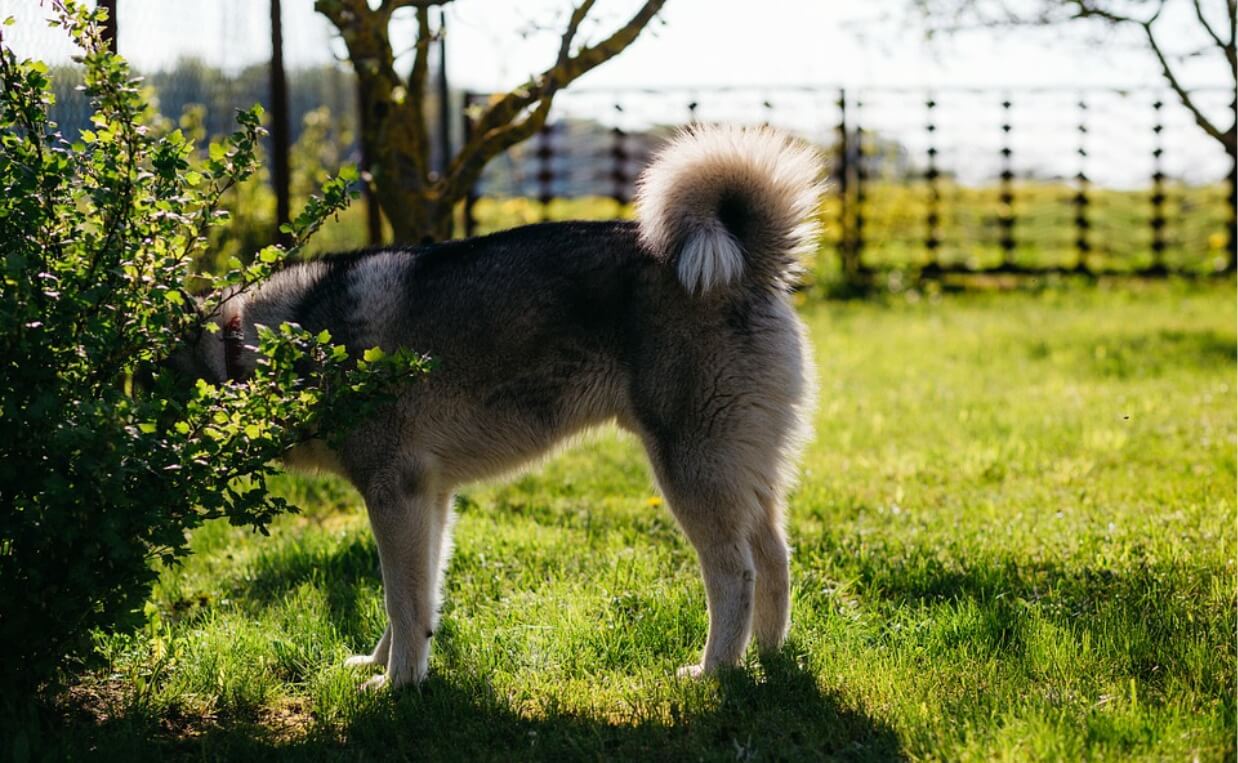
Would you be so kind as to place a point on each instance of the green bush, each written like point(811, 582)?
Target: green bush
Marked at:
point(100, 477)
point(316, 155)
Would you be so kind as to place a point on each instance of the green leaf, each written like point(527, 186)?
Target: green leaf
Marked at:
point(84, 300)
point(373, 354)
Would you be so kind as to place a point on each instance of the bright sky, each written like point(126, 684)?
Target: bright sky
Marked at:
point(851, 42)
point(700, 43)
point(703, 43)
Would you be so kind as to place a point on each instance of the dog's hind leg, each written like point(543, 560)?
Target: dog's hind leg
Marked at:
point(771, 613)
point(727, 568)
point(715, 512)
point(410, 518)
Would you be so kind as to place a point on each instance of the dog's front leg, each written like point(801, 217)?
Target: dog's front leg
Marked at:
point(410, 522)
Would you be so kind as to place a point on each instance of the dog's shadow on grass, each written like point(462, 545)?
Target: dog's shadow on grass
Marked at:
point(778, 713)
point(781, 715)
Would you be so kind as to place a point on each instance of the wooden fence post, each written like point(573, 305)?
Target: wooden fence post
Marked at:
point(932, 220)
point(109, 28)
point(280, 141)
point(470, 199)
point(619, 180)
point(1231, 245)
point(1158, 220)
point(1083, 222)
point(842, 171)
point(1006, 217)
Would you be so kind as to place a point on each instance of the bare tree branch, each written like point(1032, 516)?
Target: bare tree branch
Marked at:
point(389, 6)
point(573, 27)
point(510, 105)
point(999, 13)
point(465, 169)
point(394, 129)
point(416, 95)
point(498, 129)
point(1203, 22)
point(1085, 9)
point(1184, 95)
point(365, 35)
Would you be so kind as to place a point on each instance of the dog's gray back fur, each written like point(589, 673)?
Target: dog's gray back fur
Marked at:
point(677, 326)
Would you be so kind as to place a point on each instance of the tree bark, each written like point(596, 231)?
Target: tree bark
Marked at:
point(395, 135)
point(964, 14)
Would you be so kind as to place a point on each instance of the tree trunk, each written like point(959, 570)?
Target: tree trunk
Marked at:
point(398, 167)
point(394, 134)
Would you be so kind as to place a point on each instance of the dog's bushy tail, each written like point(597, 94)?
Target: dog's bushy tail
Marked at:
point(730, 206)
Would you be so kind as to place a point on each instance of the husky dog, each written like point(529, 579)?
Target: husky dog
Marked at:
point(676, 326)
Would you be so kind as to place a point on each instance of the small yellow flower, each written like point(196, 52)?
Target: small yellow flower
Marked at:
point(654, 501)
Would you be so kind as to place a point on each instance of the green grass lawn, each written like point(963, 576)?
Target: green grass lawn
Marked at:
point(1013, 539)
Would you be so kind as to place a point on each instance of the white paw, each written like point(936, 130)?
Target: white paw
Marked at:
point(690, 671)
point(375, 683)
point(360, 661)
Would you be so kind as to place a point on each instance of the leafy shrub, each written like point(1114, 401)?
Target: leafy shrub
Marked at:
point(99, 476)
point(315, 156)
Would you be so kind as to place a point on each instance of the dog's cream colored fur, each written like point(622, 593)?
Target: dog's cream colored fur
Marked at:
point(679, 197)
point(712, 373)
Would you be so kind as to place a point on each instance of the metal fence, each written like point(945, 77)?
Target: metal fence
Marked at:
point(948, 180)
point(933, 181)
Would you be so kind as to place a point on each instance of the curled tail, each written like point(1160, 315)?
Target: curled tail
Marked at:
point(730, 206)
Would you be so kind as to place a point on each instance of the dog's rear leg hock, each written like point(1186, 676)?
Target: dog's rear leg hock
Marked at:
point(714, 525)
point(727, 568)
point(771, 614)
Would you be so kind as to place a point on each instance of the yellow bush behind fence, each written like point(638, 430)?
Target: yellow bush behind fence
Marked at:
point(1119, 233)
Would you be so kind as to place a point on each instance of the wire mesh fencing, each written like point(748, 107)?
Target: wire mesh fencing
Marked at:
point(952, 179)
point(949, 180)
